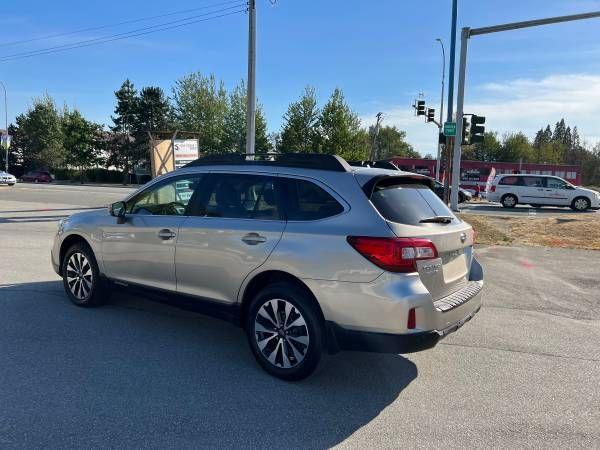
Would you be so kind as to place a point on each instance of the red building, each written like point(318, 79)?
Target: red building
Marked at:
point(477, 172)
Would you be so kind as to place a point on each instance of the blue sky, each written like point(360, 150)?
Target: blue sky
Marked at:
point(380, 53)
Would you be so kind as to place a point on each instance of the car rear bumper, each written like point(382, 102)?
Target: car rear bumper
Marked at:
point(374, 316)
point(340, 338)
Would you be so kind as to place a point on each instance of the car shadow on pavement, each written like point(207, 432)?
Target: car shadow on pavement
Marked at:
point(141, 373)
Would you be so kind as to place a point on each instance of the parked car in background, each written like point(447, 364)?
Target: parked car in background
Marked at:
point(463, 194)
point(37, 176)
point(305, 252)
point(7, 178)
point(541, 190)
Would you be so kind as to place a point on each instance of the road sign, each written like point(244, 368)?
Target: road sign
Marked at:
point(450, 129)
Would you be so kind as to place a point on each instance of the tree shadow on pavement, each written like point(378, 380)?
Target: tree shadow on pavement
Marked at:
point(139, 373)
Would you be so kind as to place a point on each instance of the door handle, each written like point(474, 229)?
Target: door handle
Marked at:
point(166, 234)
point(254, 239)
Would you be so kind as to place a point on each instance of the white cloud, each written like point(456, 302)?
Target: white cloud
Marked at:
point(517, 105)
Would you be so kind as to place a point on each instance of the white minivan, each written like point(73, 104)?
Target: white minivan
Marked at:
point(541, 190)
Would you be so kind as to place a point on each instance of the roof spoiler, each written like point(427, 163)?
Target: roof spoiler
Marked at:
point(391, 180)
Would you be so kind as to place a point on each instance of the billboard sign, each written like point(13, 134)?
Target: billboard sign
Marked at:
point(185, 151)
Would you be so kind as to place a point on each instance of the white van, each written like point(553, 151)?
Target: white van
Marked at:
point(541, 190)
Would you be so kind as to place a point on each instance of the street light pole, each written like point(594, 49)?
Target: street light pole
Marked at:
point(5, 122)
point(251, 107)
point(440, 125)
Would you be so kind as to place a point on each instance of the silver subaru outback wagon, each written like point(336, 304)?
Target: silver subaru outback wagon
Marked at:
point(305, 252)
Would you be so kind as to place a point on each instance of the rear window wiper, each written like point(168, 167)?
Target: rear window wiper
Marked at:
point(437, 219)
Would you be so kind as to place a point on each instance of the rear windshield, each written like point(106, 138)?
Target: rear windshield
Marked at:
point(410, 204)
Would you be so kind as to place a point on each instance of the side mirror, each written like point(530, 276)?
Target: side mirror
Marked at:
point(570, 187)
point(118, 210)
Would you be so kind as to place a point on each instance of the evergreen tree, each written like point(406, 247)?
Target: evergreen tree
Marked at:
point(124, 153)
point(153, 112)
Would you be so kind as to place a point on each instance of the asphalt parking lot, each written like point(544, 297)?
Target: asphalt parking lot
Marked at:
point(525, 372)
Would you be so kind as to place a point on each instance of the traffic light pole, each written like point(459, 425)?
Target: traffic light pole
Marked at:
point(467, 33)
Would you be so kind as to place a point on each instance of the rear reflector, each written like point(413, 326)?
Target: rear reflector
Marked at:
point(412, 319)
point(394, 254)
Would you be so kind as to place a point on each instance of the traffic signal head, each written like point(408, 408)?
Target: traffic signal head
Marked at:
point(466, 131)
point(420, 107)
point(430, 115)
point(477, 129)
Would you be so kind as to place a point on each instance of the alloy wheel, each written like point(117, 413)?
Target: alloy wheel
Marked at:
point(509, 201)
point(80, 277)
point(581, 204)
point(281, 333)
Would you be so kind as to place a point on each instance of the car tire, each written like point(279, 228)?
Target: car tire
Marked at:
point(581, 204)
point(81, 277)
point(287, 352)
point(509, 201)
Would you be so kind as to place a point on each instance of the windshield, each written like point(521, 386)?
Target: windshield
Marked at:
point(410, 204)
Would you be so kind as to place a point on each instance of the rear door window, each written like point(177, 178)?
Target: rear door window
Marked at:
point(241, 196)
point(306, 201)
point(410, 204)
point(532, 182)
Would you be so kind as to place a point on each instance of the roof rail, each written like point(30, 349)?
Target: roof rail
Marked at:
point(374, 164)
point(315, 161)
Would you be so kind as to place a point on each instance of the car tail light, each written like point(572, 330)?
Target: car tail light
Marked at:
point(394, 254)
point(493, 188)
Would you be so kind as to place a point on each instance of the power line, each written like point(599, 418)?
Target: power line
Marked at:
point(134, 33)
point(113, 25)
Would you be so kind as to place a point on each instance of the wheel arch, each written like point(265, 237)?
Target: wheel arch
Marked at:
point(67, 243)
point(266, 278)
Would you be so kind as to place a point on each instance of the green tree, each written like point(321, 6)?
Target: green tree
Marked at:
point(153, 111)
point(38, 135)
point(340, 130)
point(201, 105)
point(488, 150)
point(123, 152)
point(82, 141)
point(300, 131)
point(235, 124)
point(516, 146)
point(391, 142)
